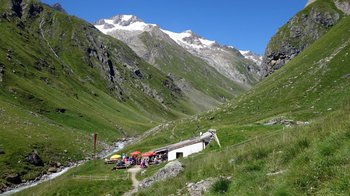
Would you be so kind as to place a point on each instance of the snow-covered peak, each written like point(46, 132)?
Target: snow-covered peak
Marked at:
point(127, 17)
point(125, 20)
point(122, 22)
point(251, 56)
point(189, 39)
point(188, 31)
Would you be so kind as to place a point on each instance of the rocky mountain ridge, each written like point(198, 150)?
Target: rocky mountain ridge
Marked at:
point(301, 31)
point(127, 27)
point(59, 8)
point(197, 65)
point(252, 56)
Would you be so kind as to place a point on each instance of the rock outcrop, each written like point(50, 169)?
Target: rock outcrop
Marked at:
point(17, 8)
point(170, 170)
point(14, 179)
point(343, 5)
point(34, 159)
point(59, 8)
point(198, 188)
point(301, 31)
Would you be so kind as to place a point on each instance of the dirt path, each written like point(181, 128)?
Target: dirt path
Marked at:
point(135, 182)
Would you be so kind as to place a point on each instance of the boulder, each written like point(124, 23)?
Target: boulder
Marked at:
point(170, 170)
point(52, 170)
point(3, 187)
point(34, 159)
point(346, 76)
point(197, 189)
point(14, 178)
point(138, 73)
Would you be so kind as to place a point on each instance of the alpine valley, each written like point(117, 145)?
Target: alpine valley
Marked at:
point(197, 65)
point(282, 119)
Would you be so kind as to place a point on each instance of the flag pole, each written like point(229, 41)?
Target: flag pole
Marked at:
point(95, 140)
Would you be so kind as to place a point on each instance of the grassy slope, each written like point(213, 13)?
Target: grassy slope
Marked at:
point(77, 182)
point(296, 161)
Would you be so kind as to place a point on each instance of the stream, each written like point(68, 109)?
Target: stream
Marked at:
point(104, 154)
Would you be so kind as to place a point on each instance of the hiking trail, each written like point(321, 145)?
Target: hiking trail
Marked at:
point(135, 183)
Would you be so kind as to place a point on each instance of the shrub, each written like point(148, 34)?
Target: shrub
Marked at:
point(221, 186)
point(260, 154)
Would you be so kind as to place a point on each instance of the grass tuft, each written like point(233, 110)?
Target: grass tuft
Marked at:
point(221, 186)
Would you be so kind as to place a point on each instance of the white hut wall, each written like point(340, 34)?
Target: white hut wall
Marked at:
point(186, 150)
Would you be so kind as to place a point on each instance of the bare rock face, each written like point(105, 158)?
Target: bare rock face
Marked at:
point(300, 32)
point(343, 5)
point(170, 170)
point(59, 8)
point(119, 19)
point(24, 9)
point(17, 7)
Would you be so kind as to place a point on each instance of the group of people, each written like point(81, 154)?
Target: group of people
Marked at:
point(144, 162)
point(125, 162)
point(156, 159)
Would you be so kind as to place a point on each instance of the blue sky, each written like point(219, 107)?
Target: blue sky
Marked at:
point(244, 24)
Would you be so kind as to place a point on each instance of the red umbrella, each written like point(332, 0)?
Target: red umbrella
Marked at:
point(135, 153)
point(148, 154)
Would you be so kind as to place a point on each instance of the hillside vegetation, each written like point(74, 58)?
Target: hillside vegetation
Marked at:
point(313, 159)
point(309, 156)
point(310, 86)
point(61, 80)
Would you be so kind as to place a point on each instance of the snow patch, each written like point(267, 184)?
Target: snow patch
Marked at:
point(251, 56)
point(189, 39)
point(111, 26)
point(127, 17)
